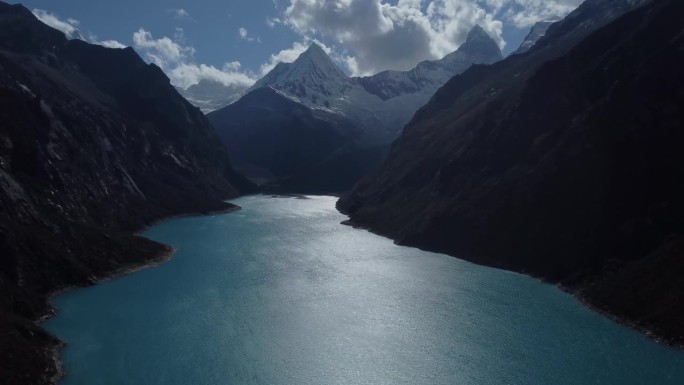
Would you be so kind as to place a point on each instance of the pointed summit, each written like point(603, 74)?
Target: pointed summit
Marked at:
point(314, 49)
point(313, 78)
point(478, 36)
point(314, 53)
point(316, 65)
point(312, 67)
point(480, 43)
point(477, 32)
point(479, 48)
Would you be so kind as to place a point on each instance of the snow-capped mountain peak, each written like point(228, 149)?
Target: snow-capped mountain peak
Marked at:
point(381, 104)
point(479, 48)
point(315, 55)
point(477, 32)
point(313, 78)
point(315, 64)
point(312, 67)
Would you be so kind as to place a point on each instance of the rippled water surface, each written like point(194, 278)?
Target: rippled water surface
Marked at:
point(282, 293)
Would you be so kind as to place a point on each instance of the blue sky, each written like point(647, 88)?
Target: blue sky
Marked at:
point(237, 41)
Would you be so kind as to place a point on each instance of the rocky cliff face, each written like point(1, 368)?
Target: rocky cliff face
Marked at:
point(563, 163)
point(94, 145)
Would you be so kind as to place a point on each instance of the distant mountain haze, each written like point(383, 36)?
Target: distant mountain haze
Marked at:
point(211, 95)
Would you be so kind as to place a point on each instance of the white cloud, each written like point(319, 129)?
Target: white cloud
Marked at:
point(179, 14)
point(68, 26)
point(273, 21)
point(380, 34)
point(112, 44)
point(186, 74)
point(244, 35)
point(232, 66)
point(243, 32)
point(163, 51)
point(176, 59)
point(370, 35)
point(288, 55)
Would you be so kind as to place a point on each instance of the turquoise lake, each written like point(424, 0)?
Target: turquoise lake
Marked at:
point(282, 293)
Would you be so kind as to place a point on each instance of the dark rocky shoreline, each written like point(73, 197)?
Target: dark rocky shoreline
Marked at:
point(95, 145)
point(577, 291)
point(50, 346)
point(55, 350)
point(675, 343)
point(563, 163)
point(153, 261)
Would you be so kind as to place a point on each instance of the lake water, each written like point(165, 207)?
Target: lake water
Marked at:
point(282, 293)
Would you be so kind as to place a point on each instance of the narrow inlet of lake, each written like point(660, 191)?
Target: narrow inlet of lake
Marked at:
point(282, 293)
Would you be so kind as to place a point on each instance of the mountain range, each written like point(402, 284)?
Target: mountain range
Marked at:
point(561, 161)
point(354, 119)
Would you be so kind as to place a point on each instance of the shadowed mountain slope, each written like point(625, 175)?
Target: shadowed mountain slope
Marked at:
point(94, 145)
point(307, 127)
point(563, 162)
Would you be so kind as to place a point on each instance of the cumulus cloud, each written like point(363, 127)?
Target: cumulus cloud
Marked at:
point(288, 55)
point(112, 44)
point(186, 74)
point(176, 59)
point(273, 21)
point(379, 34)
point(179, 14)
point(244, 35)
point(232, 73)
point(163, 51)
point(69, 26)
point(368, 35)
